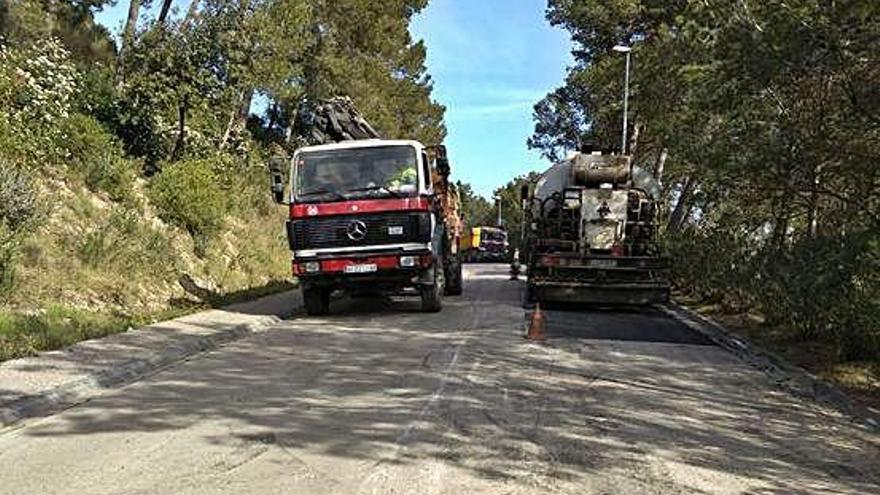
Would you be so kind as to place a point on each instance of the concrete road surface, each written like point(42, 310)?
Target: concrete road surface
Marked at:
point(379, 398)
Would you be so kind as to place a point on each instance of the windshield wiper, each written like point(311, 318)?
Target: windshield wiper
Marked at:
point(316, 192)
point(383, 189)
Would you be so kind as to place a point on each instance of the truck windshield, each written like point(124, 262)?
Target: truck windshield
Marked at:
point(356, 173)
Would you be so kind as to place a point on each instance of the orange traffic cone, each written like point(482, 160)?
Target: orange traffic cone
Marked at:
point(536, 324)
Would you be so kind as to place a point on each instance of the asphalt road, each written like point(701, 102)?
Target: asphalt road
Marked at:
point(379, 398)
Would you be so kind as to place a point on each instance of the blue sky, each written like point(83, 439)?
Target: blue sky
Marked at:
point(491, 61)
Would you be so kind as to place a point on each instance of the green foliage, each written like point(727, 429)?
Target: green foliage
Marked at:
point(189, 195)
point(25, 335)
point(18, 212)
point(175, 104)
point(37, 83)
point(23, 22)
point(764, 115)
point(121, 243)
point(475, 209)
point(95, 154)
point(364, 50)
point(824, 288)
point(511, 206)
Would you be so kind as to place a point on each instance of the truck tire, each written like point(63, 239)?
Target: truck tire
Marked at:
point(454, 279)
point(432, 295)
point(316, 300)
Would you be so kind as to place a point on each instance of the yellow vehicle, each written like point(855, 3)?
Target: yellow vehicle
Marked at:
point(484, 244)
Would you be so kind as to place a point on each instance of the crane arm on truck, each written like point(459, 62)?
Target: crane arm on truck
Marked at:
point(330, 121)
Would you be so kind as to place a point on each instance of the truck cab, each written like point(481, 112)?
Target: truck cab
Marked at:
point(365, 216)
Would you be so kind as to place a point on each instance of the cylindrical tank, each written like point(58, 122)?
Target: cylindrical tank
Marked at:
point(590, 171)
point(593, 170)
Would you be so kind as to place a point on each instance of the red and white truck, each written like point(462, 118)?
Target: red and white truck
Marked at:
point(372, 216)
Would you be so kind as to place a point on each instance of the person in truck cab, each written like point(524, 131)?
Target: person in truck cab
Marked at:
point(404, 179)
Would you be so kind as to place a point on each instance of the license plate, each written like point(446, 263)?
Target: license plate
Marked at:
point(602, 263)
point(363, 268)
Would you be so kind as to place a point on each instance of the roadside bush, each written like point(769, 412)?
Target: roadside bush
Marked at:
point(711, 265)
point(95, 153)
point(37, 84)
point(826, 288)
point(121, 243)
point(18, 210)
point(189, 194)
point(247, 176)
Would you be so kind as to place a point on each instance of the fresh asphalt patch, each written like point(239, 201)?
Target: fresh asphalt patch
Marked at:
point(629, 324)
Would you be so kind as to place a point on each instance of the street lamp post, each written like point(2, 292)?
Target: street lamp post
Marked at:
point(626, 50)
point(498, 200)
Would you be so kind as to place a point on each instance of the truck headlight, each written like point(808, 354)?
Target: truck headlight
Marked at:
point(312, 267)
point(408, 261)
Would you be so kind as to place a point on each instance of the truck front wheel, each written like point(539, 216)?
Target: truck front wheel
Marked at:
point(432, 295)
point(316, 300)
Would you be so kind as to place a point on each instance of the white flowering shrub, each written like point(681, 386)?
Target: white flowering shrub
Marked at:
point(37, 85)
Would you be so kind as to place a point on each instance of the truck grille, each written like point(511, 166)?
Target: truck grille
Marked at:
point(330, 232)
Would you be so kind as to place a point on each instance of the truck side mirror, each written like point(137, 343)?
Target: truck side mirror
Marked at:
point(441, 159)
point(276, 178)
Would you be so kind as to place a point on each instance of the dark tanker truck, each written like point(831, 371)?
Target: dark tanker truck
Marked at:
point(590, 233)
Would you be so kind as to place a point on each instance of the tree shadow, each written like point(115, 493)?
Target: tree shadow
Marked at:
point(462, 388)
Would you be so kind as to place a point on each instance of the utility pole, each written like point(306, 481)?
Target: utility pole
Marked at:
point(498, 200)
point(626, 50)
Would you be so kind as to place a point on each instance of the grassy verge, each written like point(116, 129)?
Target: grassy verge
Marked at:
point(26, 334)
point(859, 379)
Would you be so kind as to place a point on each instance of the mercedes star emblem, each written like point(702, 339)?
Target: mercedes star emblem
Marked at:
point(356, 230)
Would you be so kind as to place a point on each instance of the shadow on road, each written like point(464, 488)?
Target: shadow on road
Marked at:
point(463, 388)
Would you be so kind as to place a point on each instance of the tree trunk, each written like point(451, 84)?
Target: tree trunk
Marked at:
point(813, 214)
point(632, 145)
point(660, 164)
point(781, 219)
point(245, 108)
point(683, 207)
point(134, 7)
point(238, 116)
point(163, 14)
point(180, 143)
